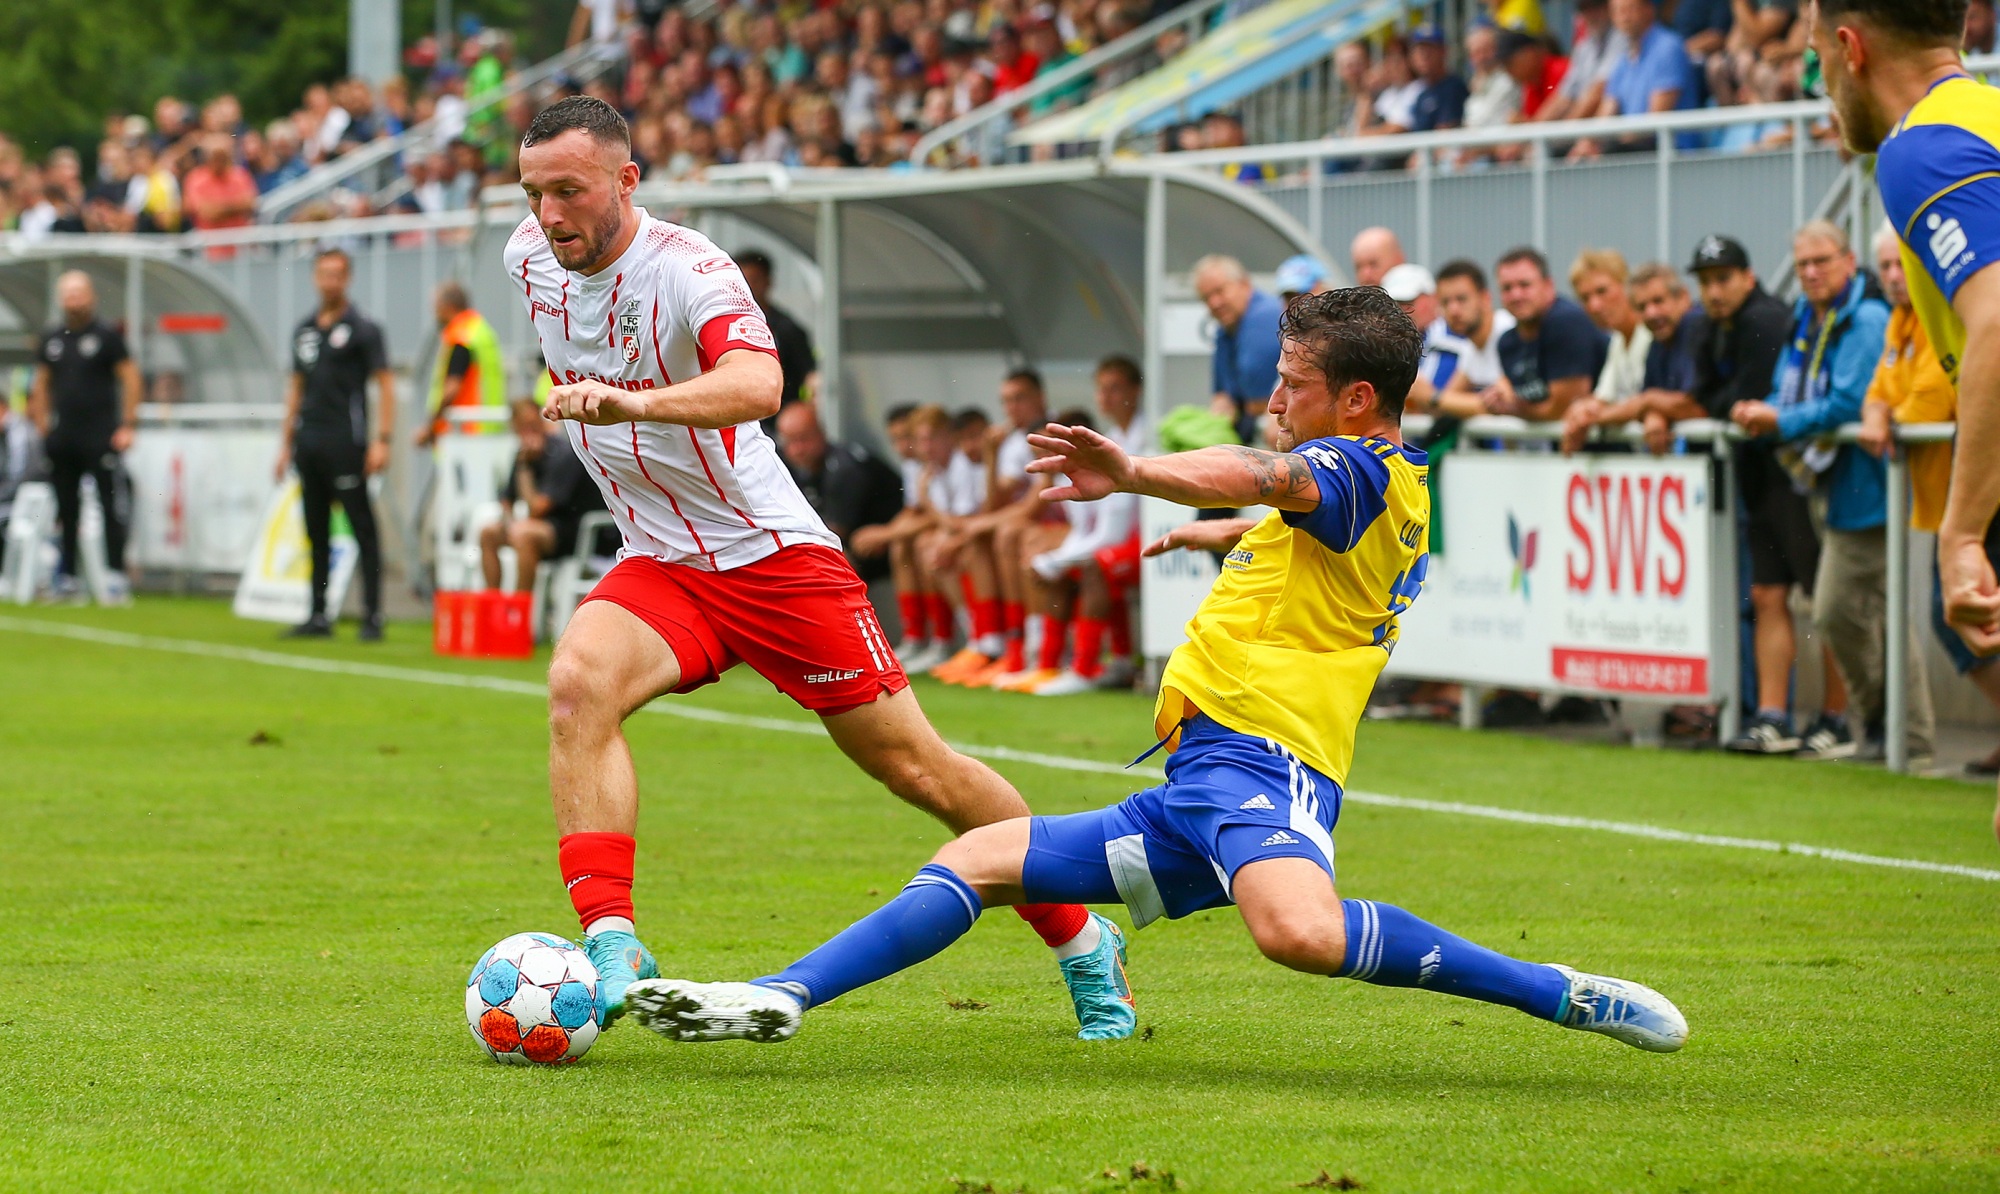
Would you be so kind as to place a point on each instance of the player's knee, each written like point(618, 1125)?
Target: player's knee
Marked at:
point(906, 772)
point(1301, 939)
point(577, 703)
point(489, 535)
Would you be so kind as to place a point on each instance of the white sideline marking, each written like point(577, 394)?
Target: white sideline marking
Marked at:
point(681, 709)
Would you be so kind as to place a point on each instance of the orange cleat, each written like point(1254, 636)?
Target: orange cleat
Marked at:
point(984, 677)
point(1027, 681)
point(947, 672)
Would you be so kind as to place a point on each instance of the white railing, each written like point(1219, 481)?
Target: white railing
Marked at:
point(372, 166)
point(988, 124)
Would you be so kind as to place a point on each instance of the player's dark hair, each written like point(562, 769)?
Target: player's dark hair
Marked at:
point(1124, 367)
point(971, 416)
point(1358, 334)
point(595, 117)
point(745, 258)
point(1927, 22)
point(1032, 376)
point(899, 412)
point(1075, 416)
point(1532, 256)
point(346, 259)
point(1461, 268)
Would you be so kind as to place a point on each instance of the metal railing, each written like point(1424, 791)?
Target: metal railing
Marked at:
point(1717, 435)
point(377, 166)
point(981, 133)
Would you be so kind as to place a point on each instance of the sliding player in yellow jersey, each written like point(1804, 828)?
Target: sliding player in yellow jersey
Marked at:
point(1259, 708)
point(1900, 88)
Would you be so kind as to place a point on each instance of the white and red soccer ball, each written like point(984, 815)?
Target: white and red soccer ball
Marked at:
point(532, 1000)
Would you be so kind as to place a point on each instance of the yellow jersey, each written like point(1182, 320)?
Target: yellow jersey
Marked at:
point(1939, 173)
point(1289, 642)
point(1913, 385)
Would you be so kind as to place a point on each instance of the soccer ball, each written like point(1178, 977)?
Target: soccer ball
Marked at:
point(532, 1000)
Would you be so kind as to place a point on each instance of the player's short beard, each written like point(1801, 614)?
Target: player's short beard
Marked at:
point(591, 245)
point(1860, 129)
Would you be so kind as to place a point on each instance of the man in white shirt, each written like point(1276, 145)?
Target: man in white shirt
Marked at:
point(1474, 342)
point(664, 367)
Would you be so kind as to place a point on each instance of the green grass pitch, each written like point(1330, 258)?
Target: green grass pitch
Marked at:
point(240, 966)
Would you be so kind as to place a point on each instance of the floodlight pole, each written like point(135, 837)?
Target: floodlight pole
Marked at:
point(372, 38)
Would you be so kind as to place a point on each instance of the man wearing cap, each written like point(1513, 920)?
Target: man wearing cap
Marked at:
point(1244, 368)
point(1299, 275)
point(1415, 291)
point(1441, 104)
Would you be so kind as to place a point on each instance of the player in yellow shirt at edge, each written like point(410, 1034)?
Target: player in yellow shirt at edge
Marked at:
point(1259, 708)
point(1900, 88)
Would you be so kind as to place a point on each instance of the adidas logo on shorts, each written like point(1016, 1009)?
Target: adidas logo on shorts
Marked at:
point(1258, 801)
point(1281, 838)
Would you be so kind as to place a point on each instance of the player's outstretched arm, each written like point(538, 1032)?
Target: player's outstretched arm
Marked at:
point(744, 386)
point(1224, 477)
point(1966, 574)
point(1209, 534)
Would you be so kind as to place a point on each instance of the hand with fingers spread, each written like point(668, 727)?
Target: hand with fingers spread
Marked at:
point(1094, 466)
point(1212, 534)
point(594, 403)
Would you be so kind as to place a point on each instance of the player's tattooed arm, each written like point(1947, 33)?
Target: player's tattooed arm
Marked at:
point(1229, 476)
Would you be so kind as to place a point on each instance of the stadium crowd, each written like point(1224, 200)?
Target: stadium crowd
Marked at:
point(858, 82)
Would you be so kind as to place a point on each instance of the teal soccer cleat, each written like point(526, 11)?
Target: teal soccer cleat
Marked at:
point(620, 961)
point(1624, 1011)
point(1097, 986)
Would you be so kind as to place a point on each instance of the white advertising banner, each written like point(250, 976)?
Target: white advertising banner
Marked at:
point(1171, 586)
point(197, 495)
point(276, 585)
point(1581, 574)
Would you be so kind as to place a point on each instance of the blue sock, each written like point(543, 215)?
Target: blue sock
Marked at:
point(935, 909)
point(1391, 948)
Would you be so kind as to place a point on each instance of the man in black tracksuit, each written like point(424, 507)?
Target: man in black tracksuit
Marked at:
point(327, 436)
point(85, 403)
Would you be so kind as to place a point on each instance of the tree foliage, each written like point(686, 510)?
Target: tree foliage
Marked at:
point(66, 64)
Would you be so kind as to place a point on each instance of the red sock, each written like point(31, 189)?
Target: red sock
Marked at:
point(597, 869)
point(942, 621)
point(986, 617)
point(966, 592)
point(1056, 923)
point(911, 607)
point(1055, 631)
point(1089, 661)
point(1014, 616)
point(1014, 656)
point(1121, 629)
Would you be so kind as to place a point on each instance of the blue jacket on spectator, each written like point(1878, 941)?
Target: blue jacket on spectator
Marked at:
point(1812, 407)
point(1245, 365)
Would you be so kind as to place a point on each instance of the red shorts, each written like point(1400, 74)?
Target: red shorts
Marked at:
point(800, 617)
point(1120, 566)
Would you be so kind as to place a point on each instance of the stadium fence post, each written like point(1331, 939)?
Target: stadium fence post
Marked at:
point(1725, 604)
point(1896, 715)
point(832, 396)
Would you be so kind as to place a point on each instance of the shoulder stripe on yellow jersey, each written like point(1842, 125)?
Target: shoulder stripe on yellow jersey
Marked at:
point(1911, 228)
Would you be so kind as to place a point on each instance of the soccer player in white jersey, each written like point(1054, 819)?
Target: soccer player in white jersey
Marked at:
point(663, 365)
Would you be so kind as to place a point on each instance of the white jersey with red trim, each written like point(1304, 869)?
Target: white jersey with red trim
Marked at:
point(665, 312)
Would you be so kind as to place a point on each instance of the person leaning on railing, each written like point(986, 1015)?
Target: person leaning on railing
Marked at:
point(1911, 386)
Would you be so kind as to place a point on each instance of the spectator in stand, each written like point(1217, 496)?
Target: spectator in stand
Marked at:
point(1911, 386)
point(1600, 280)
point(1979, 27)
point(1441, 102)
point(1597, 49)
point(1474, 343)
point(552, 483)
point(795, 349)
point(1299, 275)
point(1779, 532)
point(1012, 66)
point(155, 197)
point(280, 160)
point(1757, 42)
point(1415, 291)
point(598, 22)
point(1374, 252)
point(1552, 355)
point(1668, 383)
point(1354, 67)
point(1495, 98)
point(1397, 88)
point(1221, 130)
point(851, 490)
point(1244, 368)
point(219, 193)
point(1536, 70)
point(1704, 25)
point(1518, 16)
point(1652, 75)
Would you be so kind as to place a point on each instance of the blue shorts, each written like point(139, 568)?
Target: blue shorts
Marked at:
point(1229, 799)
